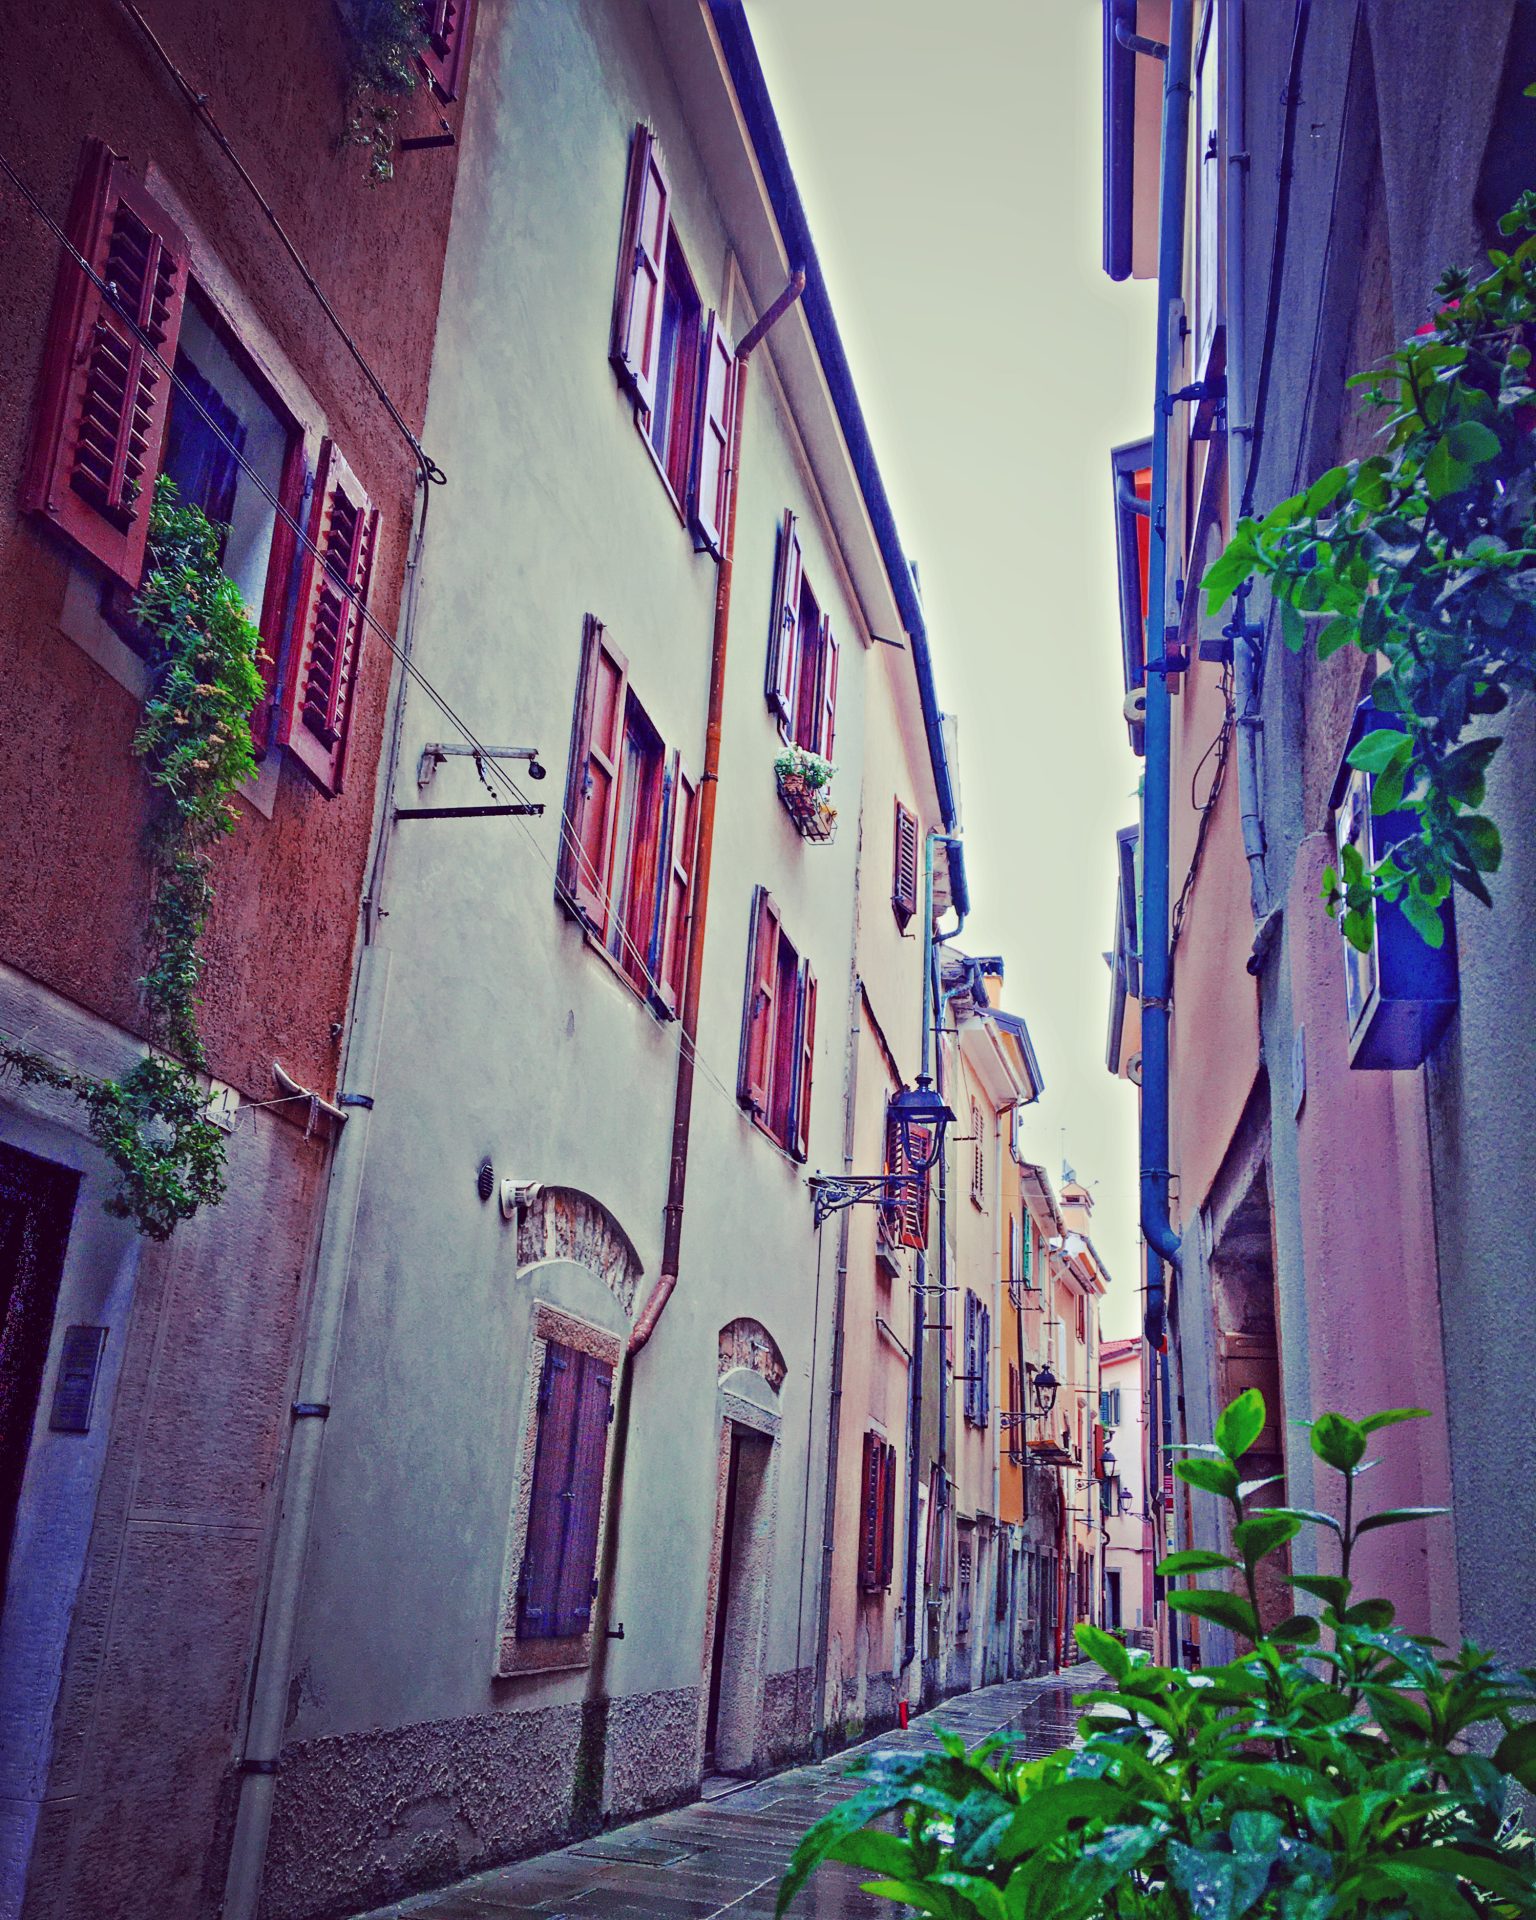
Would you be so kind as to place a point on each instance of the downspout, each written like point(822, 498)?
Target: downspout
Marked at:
point(919, 1309)
point(997, 1321)
point(1162, 1241)
point(682, 1105)
point(257, 1782)
point(587, 1789)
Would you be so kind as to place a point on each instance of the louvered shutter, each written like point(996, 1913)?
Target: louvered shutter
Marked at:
point(636, 347)
point(892, 1207)
point(446, 23)
point(592, 777)
point(757, 1026)
point(712, 438)
point(784, 627)
point(328, 633)
point(801, 1127)
point(677, 887)
point(984, 1366)
point(969, 1359)
point(826, 715)
point(888, 1529)
point(914, 1198)
point(904, 865)
point(871, 1508)
point(583, 1499)
point(105, 397)
point(539, 1577)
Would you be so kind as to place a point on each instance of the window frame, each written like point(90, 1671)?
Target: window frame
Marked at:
point(801, 674)
point(776, 1066)
point(978, 1159)
point(904, 866)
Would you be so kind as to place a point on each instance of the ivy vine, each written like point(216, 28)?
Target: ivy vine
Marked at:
point(384, 39)
point(194, 739)
point(1424, 556)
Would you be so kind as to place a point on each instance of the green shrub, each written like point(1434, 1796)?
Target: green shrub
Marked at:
point(1326, 1773)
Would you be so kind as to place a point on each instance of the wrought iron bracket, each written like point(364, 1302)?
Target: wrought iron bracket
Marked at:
point(831, 1192)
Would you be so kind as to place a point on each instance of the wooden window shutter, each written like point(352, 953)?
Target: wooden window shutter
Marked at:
point(446, 24)
point(968, 1361)
point(637, 306)
point(826, 719)
point(758, 1015)
point(800, 1146)
point(680, 835)
point(984, 1366)
point(904, 866)
point(871, 1512)
point(710, 493)
point(583, 1497)
point(105, 397)
point(784, 627)
point(592, 777)
point(892, 1208)
point(539, 1577)
point(888, 1529)
point(914, 1198)
point(328, 633)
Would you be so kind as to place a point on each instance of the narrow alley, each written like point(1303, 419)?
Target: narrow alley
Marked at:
point(726, 1855)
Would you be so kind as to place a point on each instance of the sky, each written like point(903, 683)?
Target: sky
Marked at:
point(948, 159)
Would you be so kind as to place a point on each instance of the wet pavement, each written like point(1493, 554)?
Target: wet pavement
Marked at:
point(726, 1855)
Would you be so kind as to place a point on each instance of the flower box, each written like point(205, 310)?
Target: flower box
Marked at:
point(805, 781)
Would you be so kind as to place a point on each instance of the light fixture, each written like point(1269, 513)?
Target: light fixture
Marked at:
point(1107, 1464)
point(921, 1117)
point(1045, 1388)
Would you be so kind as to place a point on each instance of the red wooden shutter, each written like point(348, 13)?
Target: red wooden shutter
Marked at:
point(446, 23)
point(904, 866)
point(105, 398)
point(583, 1497)
point(592, 778)
point(893, 1207)
point(328, 634)
point(712, 438)
point(826, 718)
point(637, 305)
point(801, 1124)
point(677, 888)
point(784, 629)
point(871, 1512)
point(888, 1530)
point(757, 1027)
point(539, 1576)
point(914, 1198)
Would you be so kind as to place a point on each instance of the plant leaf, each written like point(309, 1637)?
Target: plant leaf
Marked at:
point(1194, 1560)
point(1210, 1476)
point(1338, 1441)
point(1396, 1517)
point(1228, 1610)
point(1240, 1424)
point(1391, 1418)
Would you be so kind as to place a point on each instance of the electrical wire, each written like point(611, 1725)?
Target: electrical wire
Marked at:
point(483, 755)
point(1220, 748)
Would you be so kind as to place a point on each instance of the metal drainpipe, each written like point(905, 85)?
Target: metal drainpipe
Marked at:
point(997, 1316)
point(682, 1107)
point(594, 1724)
point(1162, 1241)
point(835, 1392)
point(257, 1785)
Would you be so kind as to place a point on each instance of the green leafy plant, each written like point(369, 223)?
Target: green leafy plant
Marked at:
point(1302, 1780)
point(194, 739)
point(809, 769)
point(383, 39)
point(1424, 554)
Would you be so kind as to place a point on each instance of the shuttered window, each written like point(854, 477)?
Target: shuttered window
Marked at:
point(905, 1211)
point(328, 634)
point(978, 1158)
point(630, 830)
point(904, 867)
point(557, 1583)
point(877, 1514)
point(446, 23)
point(778, 1031)
point(105, 394)
point(803, 653)
point(709, 494)
point(1015, 1411)
point(977, 1365)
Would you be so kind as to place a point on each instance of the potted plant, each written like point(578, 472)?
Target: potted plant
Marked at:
point(804, 781)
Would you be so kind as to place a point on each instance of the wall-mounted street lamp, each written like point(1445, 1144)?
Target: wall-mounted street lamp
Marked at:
point(1107, 1463)
point(1043, 1389)
point(921, 1118)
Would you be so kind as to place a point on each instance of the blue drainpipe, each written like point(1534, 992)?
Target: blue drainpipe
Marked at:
point(1162, 1241)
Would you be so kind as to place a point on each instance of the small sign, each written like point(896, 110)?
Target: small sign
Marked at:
point(74, 1391)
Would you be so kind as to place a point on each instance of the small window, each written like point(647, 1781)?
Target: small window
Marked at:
point(803, 654)
point(978, 1159)
point(627, 838)
point(557, 1579)
point(904, 867)
point(967, 1535)
point(778, 1031)
point(977, 1399)
point(877, 1517)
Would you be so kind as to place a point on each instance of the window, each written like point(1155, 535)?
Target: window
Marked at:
point(978, 1159)
point(801, 684)
point(877, 1516)
point(1015, 1261)
point(1082, 1317)
point(778, 1031)
point(978, 1361)
point(446, 24)
point(628, 836)
point(967, 1535)
point(904, 1216)
point(1207, 191)
point(1016, 1413)
point(904, 867)
point(672, 357)
point(556, 1583)
point(1109, 1407)
point(111, 420)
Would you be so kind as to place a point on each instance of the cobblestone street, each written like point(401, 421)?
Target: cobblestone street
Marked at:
point(725, 1855)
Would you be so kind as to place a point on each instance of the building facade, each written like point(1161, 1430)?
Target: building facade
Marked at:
point(1341, 1221)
